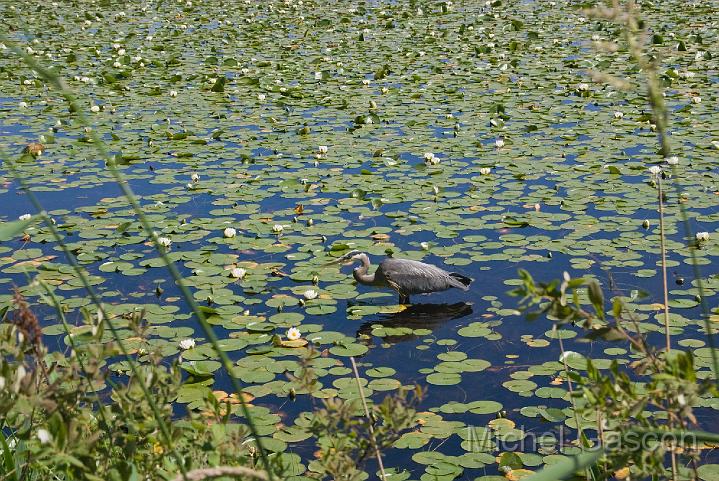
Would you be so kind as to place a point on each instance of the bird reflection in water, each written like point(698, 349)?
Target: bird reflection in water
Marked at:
point(416, 316)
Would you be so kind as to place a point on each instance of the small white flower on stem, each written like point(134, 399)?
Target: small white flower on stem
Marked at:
point(186, 344)
point(485, 171)
point(310, 294)
point(702, 236)
point(278, 228)
point(44, 436)
point(655, 170)
point(164, 241)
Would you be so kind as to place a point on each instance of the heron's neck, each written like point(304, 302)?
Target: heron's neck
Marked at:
point(360, 273)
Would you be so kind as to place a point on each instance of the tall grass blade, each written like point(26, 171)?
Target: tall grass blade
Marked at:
point(567, 468)
point(57, 83)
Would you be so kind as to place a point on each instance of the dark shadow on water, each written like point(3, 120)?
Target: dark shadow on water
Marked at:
point(416, 316)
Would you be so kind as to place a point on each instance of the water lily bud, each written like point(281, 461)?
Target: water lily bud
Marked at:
point(645, 224)
point(315, 279)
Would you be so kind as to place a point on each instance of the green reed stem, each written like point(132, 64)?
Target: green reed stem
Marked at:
point(661, 118)
point(164, 431)
point(663, 247)
point(73, 346)
point(54, 80)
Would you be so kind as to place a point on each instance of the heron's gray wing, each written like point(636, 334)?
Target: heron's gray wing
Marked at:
point(414, 277)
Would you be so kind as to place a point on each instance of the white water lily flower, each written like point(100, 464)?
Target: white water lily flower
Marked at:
point(424, 245)
point(499, 143)
point(22, 105)
point(702, 236)
point(583, 87)
point(186, 344)
point(238, 272)
point(696, 100)
point(655, 170)
point(322, 149)
point(682, 400)
point(261, 96)
point(164, 241)
point(195, 177)
point(384, 90)
point(95, 108)
point(293, 334)
point(618, 115)
point(310, 294)
point(428, 156)
point(173, 93)
point(44, 436)
point(229, 232)
point(365, 81)
point(485, 170)
point(567, 354)
point(25, 217)
point(278, 228)
point(673, 160)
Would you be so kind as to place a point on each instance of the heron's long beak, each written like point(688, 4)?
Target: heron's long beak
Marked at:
point(343, 259)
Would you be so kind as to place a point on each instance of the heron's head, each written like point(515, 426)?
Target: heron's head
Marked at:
point(349, 258)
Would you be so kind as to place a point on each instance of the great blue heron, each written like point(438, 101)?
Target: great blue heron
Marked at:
point(405, 276)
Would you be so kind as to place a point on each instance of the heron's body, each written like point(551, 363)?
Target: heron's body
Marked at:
point(408, 277)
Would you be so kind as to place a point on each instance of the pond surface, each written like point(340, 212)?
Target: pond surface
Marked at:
point(467, 135)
